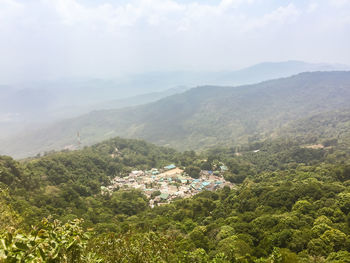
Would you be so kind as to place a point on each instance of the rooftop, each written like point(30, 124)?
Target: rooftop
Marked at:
point(169, 167)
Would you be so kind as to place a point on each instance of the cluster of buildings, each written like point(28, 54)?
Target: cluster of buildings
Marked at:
point(163, 185)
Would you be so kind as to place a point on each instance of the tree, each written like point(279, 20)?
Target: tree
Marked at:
point(234, 248)
point(155, 193)
point(199, 238)
point(193, 171)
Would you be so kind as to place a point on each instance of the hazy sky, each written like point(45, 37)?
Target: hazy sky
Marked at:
point(44, 39)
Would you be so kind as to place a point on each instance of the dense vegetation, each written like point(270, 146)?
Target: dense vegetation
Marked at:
point(290, 204)
point(327, 128)
point(202, 117)
point(68, 184)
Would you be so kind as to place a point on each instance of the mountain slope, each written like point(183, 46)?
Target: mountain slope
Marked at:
point(323, 127)
point(57, 99)
point(201, 117)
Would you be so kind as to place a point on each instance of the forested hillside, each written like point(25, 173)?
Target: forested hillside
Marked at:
point(202, 117)
point(326, 128)
point(290, 204)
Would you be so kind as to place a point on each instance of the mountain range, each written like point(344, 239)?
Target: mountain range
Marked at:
point(32, 104)
point(201, 117)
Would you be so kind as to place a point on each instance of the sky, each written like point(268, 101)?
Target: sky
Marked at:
point(50, 39)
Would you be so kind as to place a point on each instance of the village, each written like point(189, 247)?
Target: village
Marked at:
point(162, 186)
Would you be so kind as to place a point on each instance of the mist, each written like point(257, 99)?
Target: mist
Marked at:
point(48, 40)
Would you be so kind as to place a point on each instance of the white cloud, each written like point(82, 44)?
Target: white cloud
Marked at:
point(339, 3)
point(9, 10)
point(277, 17)
point(153, 12)
point(128, 14)
point(170, 15)
point(312, 7)
point(227, 4)
point(9, 5)
point(103, 38)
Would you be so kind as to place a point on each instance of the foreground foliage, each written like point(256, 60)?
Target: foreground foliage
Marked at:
point(51, 241)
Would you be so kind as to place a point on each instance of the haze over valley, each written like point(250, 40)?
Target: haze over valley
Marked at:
point(28, 106)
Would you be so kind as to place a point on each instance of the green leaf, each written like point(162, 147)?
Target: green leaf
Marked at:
point(22, 246)
point(3, 243)
point(71, 244)
point(42, 253)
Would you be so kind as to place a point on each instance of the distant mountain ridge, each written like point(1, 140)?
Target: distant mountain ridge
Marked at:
point(272, 70)
point(201, 117)
point(47, 101)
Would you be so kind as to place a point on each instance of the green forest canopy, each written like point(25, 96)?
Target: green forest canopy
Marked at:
point(291, 204)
